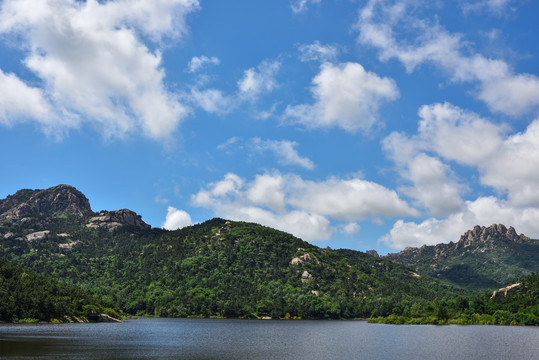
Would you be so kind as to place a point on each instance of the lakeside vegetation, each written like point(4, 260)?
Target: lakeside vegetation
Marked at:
point(26, 297)
point(517, 307)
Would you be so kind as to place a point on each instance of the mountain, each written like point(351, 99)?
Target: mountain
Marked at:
point(217, 268)
point(484, 258)
point(56, 201)
point(114, 219)
point(30, 214)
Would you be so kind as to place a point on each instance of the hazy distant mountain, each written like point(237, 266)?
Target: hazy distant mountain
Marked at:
point(483, 258)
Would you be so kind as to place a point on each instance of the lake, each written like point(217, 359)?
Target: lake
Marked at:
point(152, 338)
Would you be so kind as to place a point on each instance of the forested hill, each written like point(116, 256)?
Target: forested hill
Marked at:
point(218, 268)
point(28, 297)
point(515, 304)
point(483, 258)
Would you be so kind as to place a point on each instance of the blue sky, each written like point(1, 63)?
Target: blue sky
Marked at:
point(357, 124)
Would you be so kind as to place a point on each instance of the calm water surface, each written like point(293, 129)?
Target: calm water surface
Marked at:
point(148, 338)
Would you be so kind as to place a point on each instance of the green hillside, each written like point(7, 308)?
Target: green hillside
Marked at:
point(484, 258)
point(513, 305)
point(218, 268)
point(235, 269)
point(28, 297)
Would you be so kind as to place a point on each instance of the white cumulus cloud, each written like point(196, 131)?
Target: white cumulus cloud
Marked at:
point(514, 168)
point(20, 101)
point(318, 52)
point(299, 6)
point(92, 63)
point(285, 150)
point(267, 190)
point(453, 133)
point(255, 82)
point(303, 208)
point(499, 87)
point(346, 96)
point(434, 185)
point(261, 201)
point(445, 133)
point(351, 228)
point(483, 211)
point(198, 62)
point(212, 100)
point(505, 162)
point(497, 7)
point(176, 219)
point(261, 79)
point(348, 199)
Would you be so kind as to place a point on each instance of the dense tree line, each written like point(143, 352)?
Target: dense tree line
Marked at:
point(517, 307)
point(219, 268)
point(28, 297)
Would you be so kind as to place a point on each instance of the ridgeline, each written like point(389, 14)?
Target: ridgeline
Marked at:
point(218, 268)
point(485, 258)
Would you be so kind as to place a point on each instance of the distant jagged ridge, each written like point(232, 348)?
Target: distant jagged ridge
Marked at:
point(483, 258)
point(484, 234)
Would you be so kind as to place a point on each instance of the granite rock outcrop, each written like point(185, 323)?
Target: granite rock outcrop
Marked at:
point(114, 219)
point(61, 200)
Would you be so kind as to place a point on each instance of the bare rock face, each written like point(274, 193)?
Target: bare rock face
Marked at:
point(372, 253)
point(38, 235)
point(222, 230)
point(56, 201)
point(100, 318)
point(484, 234)
point(505, 290)
point(306, 276)
point(481, 235)
point(485, 257)
point(305, 258)
point(62, 200)
point(114, 219)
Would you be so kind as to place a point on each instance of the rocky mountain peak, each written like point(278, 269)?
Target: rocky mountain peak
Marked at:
point(483, 258)
point(114, 219)
point(372, 253)
point(55, 201)
point(484, 234)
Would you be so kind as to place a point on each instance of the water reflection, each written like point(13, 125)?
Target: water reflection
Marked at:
point(243, 339)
